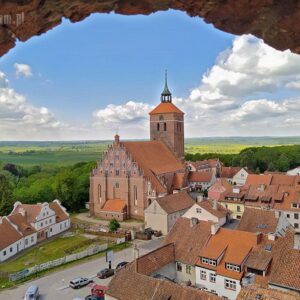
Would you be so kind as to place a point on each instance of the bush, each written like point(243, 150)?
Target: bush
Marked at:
point(114, 225)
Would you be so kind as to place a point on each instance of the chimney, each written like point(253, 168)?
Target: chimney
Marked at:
point(297, 241)
point(193, 222)
point(22, 211)
point(259, 237)
point(214, 228)
point(117, 140)
point(271, 236)
point(199, 198)
point(215, 204)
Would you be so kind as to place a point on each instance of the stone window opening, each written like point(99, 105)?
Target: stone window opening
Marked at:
point(178, 267)
point(158, 127)
point(165, 126)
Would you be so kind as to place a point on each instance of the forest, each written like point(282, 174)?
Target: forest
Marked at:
point(70, 183)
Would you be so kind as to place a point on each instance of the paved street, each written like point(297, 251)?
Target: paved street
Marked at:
point(55, 285)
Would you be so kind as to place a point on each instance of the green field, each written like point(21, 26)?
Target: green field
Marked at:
point(69, 153)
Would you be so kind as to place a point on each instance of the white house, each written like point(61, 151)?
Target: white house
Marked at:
point(208, 210)
point(201, 180)
point(295, 171)
point(30, 223)
point(48, 219)
point(163, 212)
point(240, 177)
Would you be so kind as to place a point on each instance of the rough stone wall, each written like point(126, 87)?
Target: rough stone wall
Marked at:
point(277, 22)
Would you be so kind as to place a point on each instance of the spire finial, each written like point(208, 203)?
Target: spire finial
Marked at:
point(166, 95)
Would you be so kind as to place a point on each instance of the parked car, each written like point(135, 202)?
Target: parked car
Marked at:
point(121, 265)
point(105, 273)
point(79, 282)
point(32, 293)
point(91, 297)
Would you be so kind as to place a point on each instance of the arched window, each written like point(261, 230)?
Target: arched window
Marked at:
point(99, 192)
point(165, 126)
point(135, 195)
point(157, 126)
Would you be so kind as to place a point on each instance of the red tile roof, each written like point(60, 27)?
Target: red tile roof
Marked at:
point(115, 205)
point(154, 158)
point(61, 214)
point(188, 239)
point(200, 176)
point(258, 220)
point(175, 202)
point(258, 179)
point(32, 211)
point(8, 233)
point(208, 205)
point(229, 172)
point(21, 222)
point(166, 107)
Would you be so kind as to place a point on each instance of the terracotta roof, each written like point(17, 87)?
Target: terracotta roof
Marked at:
point(165, 107)
point(61, 214)
point(155, 260)
point(115, 205)
point(188, 240)
point(127, 284)
point(254, 292)
point(179, 180)
point(208, 205)
point(221, 185)
point(259, 179)
point(237, 244)
point(286, 263)
point(8, 233)
point(283, 179)
point(259, 260)
point(154, 158)
point(32, 211)
point(175, 202)
point(200, 176)
point(207, 163)
point(21, 222)
point(290, 195)
point(258, 220)
point(229, 172)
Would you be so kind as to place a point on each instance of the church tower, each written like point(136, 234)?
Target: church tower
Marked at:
point(167, 123)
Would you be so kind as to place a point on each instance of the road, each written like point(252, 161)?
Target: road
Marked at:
point(55, 285)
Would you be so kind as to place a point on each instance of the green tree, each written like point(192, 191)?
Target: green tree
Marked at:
point(271, 167)
point(114, 225)
point(6, 198)
point(283, 163)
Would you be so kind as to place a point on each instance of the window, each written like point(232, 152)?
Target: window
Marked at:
point(32, 239)
point(208, 261)
point(50, 229)
point(10, 249)
point(117, 185)
point(238, 208)
point(202, 275)
point(288, 216)
point(212, 277)
point(178, 267)
point(158, 127)
point(296, 225)
point(198, 210)
point(296, 216)
point(232, 267)
point(26, 242)
point(230, 284)
point(4, 252)
point(135, 195)
point(60, 226)
point(50, 221)
point(117, 172)
point(99, 192)
point(165, 126)
point(65, 224)
point(42, 224)
point(188, 269)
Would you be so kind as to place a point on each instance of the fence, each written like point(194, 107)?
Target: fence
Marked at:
point(51, 264)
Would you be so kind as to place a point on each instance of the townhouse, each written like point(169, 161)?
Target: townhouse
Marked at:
point(201, 180)
point(163, 212)
point(208, 165)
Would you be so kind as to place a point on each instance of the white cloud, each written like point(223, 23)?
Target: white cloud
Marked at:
point(23, 70)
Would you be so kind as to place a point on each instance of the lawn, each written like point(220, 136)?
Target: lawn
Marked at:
point(43, 252)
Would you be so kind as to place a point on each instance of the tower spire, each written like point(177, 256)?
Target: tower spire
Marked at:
point(166, 95)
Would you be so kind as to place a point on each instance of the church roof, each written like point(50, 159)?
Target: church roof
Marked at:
point(166, 107)
point(154, 158)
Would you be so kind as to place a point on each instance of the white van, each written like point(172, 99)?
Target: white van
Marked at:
point(32, 293)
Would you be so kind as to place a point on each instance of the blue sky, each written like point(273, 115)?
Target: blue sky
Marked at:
point(83, 75)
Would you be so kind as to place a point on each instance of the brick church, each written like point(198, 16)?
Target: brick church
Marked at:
point(131, 175)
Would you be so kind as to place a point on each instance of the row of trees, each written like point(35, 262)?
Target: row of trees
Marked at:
point(36, 184)
point(258, 159)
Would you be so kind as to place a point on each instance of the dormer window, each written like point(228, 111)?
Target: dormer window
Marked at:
point(232, 267)
point(198, 210)
point(208, 261)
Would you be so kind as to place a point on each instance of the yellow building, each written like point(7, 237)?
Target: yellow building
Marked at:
point(234, 201)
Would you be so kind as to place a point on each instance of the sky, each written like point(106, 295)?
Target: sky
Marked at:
point(90, 79)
